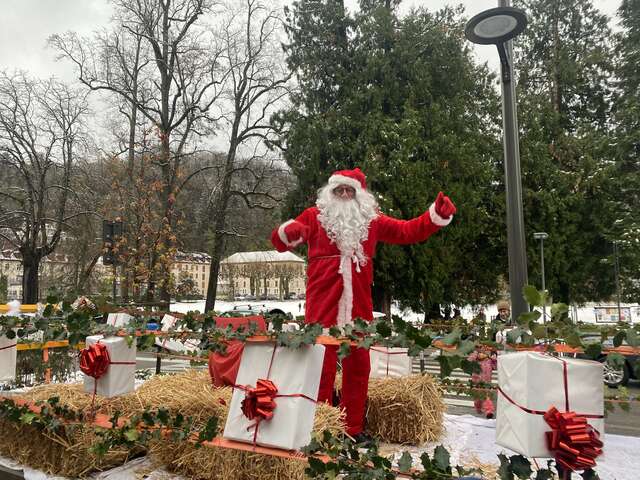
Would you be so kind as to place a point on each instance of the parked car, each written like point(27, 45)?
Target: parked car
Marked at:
point(247, 310)
point(615, 376)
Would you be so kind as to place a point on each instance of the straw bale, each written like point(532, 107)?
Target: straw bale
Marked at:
point(208, 463)
point(405, 410)
point(66, 454)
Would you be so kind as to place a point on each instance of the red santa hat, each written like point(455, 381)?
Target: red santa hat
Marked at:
point(354, 178)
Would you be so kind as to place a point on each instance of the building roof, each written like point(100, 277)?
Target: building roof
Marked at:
point(270, 256)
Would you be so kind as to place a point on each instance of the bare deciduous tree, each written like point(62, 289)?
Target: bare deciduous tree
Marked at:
point(256, 82)
point(41, 131)
point(173, 86)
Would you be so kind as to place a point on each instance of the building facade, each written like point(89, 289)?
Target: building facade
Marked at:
point(56, 272)
point(262, 275)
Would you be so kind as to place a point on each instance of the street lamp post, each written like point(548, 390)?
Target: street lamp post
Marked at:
point(497, 26)
point(617, 272)
point(542, 236)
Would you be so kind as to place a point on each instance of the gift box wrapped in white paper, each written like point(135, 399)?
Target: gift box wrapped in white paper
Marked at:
point(389, 362)
point(119, 319)
point(536, 382)
point(120, 377)
point(294, 372)
point(7, 359)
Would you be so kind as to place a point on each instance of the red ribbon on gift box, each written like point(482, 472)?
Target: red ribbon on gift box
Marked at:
point(259, 401)
point(574, 443)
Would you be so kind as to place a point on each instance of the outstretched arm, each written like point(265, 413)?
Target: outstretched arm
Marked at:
point(418, 229)
point(291, 233)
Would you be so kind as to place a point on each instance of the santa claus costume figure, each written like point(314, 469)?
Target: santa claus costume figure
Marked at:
point(342, 232)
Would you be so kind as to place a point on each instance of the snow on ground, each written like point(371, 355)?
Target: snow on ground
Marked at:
point(296, 307)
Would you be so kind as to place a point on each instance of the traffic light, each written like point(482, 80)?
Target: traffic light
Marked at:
point(111, 231)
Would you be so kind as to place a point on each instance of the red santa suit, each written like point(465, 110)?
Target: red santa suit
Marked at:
point(339, 282)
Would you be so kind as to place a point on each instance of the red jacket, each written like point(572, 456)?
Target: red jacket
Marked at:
point(335, 298)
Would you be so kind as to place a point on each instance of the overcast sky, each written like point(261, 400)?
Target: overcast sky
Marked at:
point(25, 26)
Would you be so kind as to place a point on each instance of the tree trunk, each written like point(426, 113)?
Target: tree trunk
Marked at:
point(30, 280)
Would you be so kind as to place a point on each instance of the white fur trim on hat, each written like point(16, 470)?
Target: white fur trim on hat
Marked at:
point(437, 219)
point(342, 180)
point(283, 235)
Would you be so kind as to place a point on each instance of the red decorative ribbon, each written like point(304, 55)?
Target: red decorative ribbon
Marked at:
point(574, 443)
point(94, 360)
point(259, 401)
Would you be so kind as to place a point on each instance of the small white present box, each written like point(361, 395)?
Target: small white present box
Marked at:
point(8, 353)
point(294, 372)
point(168, 322)
point(536, 382)
point(119, 319)
point(389, 362)
point(120, 377)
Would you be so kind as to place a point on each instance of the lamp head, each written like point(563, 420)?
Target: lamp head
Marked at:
point(540, 236)
point(496, 25)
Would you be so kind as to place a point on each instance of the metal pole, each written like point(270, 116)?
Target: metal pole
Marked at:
point(617, 270)
point(115, 274)
point(516, 244)
point(544, 288)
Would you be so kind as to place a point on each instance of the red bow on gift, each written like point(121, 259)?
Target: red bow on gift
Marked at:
point(575, 443)
point(258, 402)
point(94, 360)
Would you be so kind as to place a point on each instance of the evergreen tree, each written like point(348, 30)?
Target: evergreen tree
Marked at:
point(625, 174)
point(402, 98)
point(564, 60)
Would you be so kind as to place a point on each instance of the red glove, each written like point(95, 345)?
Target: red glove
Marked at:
point(444, 206)
point(296, 231)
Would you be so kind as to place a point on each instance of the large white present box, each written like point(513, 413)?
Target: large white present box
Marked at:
point(8, 353)
point(120, 377)
point(293, 372)
point(389, 362)
point(533, 381)
point(119, 319)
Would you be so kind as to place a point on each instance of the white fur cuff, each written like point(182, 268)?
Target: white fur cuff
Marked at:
point(283, 235)
point(437, 219)
point(342, 180)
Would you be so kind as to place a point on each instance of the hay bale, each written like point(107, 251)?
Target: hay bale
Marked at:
point(200, 400)
point(66, 454)
point(406, 410)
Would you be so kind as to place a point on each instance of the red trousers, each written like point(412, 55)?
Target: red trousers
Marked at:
point(355, 384)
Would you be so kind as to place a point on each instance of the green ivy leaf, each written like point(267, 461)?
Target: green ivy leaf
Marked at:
point(619, 338)
point(465, 347)
point(544, 474)
point(27, 418)
point(615, 360)
point(505, 472)
point(525, 318)
point(344, 350)
point(521, 466)
point(589, 475)
point(405, 462)
point(316, 466)
point(441, 459)
point(452, 337)
point(514, 335)
point(532, 295)
point(593, 350)
point(131, 434)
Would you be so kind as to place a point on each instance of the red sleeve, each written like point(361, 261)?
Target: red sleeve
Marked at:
point(279, 237)
point(391, 230)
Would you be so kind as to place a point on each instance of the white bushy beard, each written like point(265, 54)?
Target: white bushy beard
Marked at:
point(347, 221)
